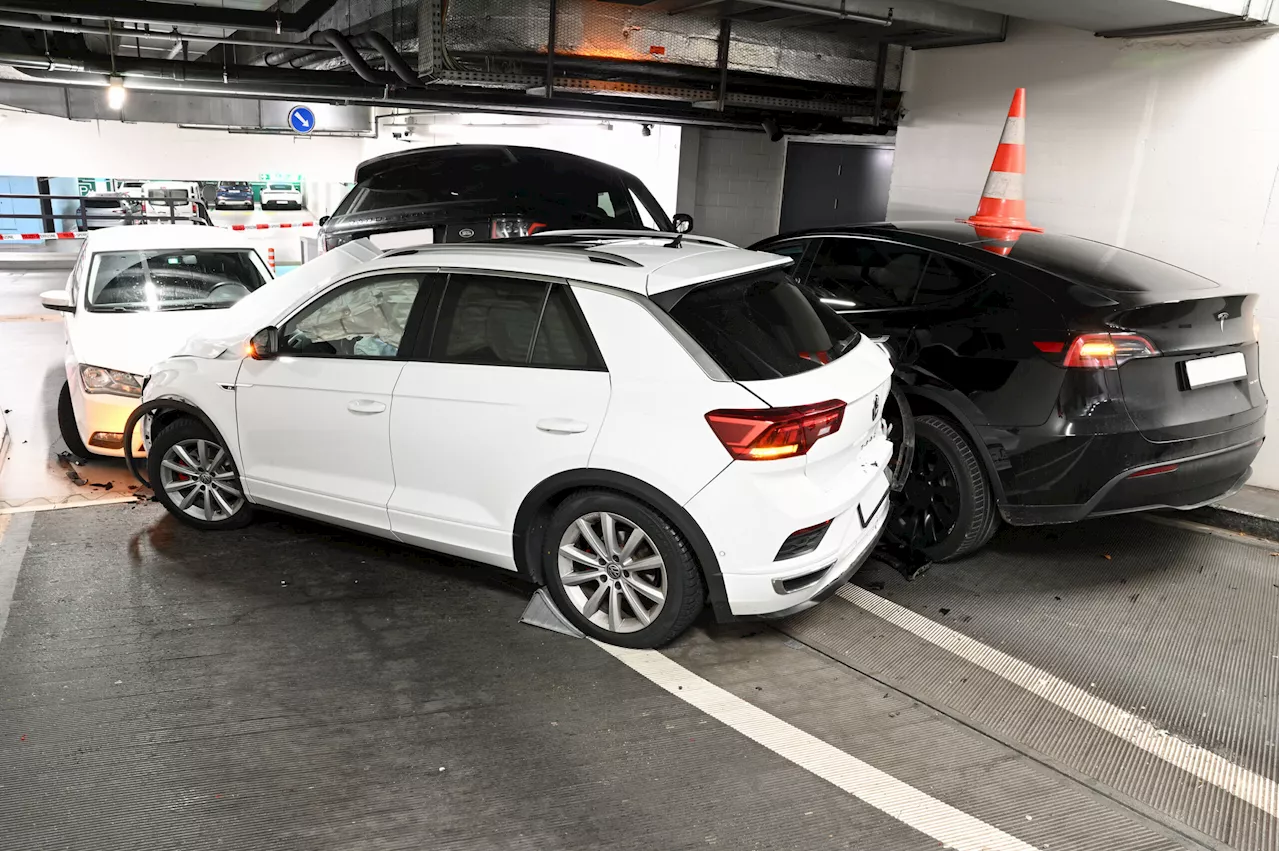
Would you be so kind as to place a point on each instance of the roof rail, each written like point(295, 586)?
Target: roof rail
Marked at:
point(582, 236)
point(578, 253)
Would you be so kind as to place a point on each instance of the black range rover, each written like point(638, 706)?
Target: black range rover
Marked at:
point(466, 193)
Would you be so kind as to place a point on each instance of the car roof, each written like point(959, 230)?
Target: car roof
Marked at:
point(645, 264)
point(385, 162)
point(141, 237)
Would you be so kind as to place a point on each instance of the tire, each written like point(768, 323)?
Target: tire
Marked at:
point(67, 424)
point(213, 475)
point(676, 575)
point(949, 484)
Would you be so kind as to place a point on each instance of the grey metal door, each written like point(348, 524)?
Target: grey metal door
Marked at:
point(826, 185)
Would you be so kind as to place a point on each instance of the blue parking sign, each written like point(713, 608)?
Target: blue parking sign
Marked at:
point(302, 119)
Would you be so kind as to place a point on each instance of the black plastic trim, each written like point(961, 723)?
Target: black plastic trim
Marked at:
point(151, 407)
point(533, 514)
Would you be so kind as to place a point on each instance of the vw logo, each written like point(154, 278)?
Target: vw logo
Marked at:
point(466, 233)
point(875, 407)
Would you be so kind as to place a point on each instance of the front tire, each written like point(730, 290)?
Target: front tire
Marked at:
point(947, 509)
point(195, 478)
point(620, 571)
point(67, 424)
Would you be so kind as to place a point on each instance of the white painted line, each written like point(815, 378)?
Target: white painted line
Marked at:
point(916, 809)
point(14, 532)
point(59, 506)
point(1249, 787)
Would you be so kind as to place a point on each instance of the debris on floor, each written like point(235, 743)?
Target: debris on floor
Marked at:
point(75, 478)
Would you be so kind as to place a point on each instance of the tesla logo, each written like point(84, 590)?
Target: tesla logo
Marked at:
point(1222, 320)
point(466, 233)
point(875, 407)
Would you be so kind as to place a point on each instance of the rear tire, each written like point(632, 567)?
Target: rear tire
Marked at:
point(195, 478)
point(947, 509)
point(67, 424)
point(640, 587)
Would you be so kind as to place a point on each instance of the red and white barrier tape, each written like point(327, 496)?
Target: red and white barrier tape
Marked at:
point(66, 234)
point(269, 226)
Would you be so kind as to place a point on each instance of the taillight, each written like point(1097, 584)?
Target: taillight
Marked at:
point(764, 434)
point(1100, 351)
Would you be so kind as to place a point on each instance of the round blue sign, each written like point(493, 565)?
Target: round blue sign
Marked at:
point(302, 119)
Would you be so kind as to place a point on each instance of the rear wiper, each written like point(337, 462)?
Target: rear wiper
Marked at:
point(845, 345)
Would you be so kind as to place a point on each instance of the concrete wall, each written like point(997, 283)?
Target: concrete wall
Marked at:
point(733, 185)
point(1165, 147)
point(41, 144)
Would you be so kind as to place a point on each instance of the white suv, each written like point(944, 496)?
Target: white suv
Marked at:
point(640, 424)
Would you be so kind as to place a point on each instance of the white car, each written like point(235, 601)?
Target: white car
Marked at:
point(281, 195)
point(136, 295)
point(640, 427)
point(170, 200)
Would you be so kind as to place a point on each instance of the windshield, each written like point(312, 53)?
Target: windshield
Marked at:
point(177, 279)
point(763, 326)
point(558, 191)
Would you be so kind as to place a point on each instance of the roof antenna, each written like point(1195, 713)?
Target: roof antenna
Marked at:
point(683, 223)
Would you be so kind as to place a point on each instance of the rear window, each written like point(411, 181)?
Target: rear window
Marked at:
point(238, 186)
point(103, 203)
point(281, 187)
point(169, 196)
point(1104, 267)
point(763, 326)
point(559, 192)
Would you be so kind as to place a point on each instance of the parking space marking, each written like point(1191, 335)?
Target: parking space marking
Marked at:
point(60, 506)
point(30, 317)
point(1249, 787)
point(951, 827)
point(14, 532)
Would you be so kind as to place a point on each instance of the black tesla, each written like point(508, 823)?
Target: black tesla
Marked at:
point(1052, 378)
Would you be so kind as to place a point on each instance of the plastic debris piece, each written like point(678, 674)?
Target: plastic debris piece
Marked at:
point(1106, 556)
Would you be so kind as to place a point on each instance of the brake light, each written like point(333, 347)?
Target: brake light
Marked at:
point(766, 434)
point(1102, 351)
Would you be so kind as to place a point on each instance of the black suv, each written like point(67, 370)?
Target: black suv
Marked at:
point(468, 193)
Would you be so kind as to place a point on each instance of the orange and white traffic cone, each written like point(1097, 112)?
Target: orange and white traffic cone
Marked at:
point(271, 259)
point(1002, 210)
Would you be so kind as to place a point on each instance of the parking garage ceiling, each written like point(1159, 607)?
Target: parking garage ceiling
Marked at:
point(784, 65)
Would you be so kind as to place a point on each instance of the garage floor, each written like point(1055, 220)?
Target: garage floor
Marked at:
point(1110, 685)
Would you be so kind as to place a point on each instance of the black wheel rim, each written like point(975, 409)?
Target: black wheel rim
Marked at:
point(929, 505)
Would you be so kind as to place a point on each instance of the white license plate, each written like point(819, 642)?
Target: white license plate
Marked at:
point(1215, 370)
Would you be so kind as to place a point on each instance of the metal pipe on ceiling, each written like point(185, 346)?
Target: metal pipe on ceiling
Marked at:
point(803, 8)
point(174, 14)
point(157, 35)
point(299, 56)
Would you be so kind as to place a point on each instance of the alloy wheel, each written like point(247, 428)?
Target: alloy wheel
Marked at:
point(197, 475)
point(930, 502)
point(612, 572)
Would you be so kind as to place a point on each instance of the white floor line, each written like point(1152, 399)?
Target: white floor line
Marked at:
point(1252, 788)
point(59, 506)
point(916, 809)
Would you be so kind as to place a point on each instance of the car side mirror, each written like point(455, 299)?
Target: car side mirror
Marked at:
point(323, 219)
point(264, 345)
point(683, 222)
point(57, 300)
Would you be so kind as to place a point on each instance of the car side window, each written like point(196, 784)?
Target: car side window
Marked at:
point(852, 274)
point(500, 321)
point(944, 277)
point(794, 249)
point(364, 319)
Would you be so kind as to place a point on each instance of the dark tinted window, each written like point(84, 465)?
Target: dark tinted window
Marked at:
point(104, 203)
point(561, 192)
point(510, 322)
point(763, 326)
point(365, 319)
point(864, 274)
point(794, 250)
point(1103, 267)
point(944, 277)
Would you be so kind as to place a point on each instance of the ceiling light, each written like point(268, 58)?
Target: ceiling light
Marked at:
point(116, 93)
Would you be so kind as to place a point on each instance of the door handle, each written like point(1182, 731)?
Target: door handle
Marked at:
point(365, 406)
point(560, 425)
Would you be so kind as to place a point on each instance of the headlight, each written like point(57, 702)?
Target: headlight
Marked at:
point(96, 379)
